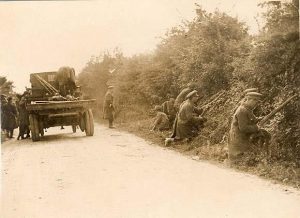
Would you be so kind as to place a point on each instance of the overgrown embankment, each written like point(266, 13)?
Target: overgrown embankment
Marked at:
point(217, 53)
point(211, 144)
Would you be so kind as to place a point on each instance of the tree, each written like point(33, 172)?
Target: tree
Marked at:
point(5, 86)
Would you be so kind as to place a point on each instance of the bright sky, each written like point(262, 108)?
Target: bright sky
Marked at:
point(43, 36)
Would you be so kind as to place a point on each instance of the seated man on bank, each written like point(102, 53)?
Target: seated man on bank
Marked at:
point(161, 121)
point(169, 109)
point(244, 127)
point(188, 122)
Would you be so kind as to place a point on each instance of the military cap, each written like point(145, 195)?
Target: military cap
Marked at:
point(254, 95)
point(251, 90)
point(192, 94)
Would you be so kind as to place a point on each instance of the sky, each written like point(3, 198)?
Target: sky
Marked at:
point(43, 36)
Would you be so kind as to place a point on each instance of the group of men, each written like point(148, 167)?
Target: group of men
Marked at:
point(182, 114)
point(187, 120)
point(14, 115)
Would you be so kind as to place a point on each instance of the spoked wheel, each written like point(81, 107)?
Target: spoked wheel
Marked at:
point(89, 123)
point(34, 127)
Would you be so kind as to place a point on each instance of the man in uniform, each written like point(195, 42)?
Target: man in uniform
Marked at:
point(23, 117)
point(182, 95)
point(188, 121)
point(108, 107)
point(243, 126)
point(161, 121)
point(169, 109)
point(10, 117)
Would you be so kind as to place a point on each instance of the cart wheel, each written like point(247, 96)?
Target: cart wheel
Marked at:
point(34, 127)
point(74, 128)
point(89, 123)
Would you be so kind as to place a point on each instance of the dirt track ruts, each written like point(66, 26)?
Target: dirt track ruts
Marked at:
point(116, 174)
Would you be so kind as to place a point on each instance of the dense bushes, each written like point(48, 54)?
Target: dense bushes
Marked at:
point(216, 52)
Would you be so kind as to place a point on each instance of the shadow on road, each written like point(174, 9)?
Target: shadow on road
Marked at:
point(62, 137)
point(51, 138)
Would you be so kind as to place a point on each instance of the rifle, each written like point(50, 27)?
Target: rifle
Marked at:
point(216, 97)
point(270, 115)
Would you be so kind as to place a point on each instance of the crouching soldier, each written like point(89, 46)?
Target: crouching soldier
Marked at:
point(161, 121)
point(188, 122)
point(244, 127)
point(182, 95)
point(169, 109)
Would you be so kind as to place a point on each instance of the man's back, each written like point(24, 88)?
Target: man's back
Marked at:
point(181, 97)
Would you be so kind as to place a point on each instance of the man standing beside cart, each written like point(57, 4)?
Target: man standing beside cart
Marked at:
point(108, 107)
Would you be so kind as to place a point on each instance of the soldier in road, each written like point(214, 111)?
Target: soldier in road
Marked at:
point(182, 95)
point(169, 109)
point(10, 117)
point(244, 127)
point(108, 107)
point(161, 121)
point(23, 117)
point(188, 121)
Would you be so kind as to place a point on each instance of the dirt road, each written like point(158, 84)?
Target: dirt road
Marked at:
point(116, 174)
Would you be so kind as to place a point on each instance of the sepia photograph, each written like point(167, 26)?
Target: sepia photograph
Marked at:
point(150, 108)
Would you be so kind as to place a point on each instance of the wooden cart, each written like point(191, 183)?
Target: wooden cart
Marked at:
point(45, 114)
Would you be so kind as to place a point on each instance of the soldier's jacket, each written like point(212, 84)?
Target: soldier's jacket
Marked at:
point(243, 125)
point(169, 109)
point(10, 116)
point(23, 113)
point(187, 121)
point(181, 97)
point(108, 107)
point(161, 121)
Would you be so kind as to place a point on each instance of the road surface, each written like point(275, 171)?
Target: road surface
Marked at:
point(116, 174)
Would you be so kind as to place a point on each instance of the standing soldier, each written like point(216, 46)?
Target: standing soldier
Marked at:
point(108, 107)
point(243, 126)
point(23, 117)
point(10, 117)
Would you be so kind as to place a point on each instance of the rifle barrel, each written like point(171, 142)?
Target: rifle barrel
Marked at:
point(267, 117)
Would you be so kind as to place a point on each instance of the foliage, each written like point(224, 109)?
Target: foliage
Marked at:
point(5, 86)
point(216, 52)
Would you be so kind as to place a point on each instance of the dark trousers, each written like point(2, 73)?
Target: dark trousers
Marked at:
point(110, 122)
point(10, 133)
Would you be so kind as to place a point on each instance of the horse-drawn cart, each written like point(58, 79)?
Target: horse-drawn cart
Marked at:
point(46, 110)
